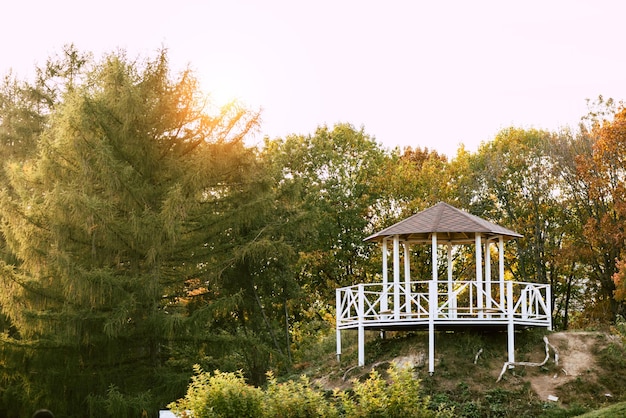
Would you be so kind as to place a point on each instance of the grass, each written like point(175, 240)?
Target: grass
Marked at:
point(617, 410)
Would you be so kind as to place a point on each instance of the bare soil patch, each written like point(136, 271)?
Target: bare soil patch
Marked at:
point(576, 358)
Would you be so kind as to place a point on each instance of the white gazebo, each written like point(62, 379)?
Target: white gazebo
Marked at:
point(484, 300)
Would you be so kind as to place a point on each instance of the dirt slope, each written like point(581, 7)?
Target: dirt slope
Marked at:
point(458, 362)
point(575, 358)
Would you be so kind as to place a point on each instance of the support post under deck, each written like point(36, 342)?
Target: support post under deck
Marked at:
point(432, 298)
point(361, 337)
point(361, 344)
point(511, 324)
point(337, 315)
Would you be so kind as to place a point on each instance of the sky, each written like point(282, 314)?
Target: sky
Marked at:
point(433, 74)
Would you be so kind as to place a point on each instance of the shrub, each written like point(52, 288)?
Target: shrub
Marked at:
point(228, 395)
point(295, 399)
point(219, 395)
point(118, 404)
point(400, 397)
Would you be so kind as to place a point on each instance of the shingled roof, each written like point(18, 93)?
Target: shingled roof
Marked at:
point(448, 222)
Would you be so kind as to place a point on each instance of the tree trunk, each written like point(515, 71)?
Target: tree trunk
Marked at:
point(267, 322)
point(287, 339)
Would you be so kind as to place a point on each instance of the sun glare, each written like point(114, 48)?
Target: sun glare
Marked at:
point(223, 89)
point(223, 93)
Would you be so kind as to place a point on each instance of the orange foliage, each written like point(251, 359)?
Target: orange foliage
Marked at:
point(604, 173)
point(594, 315)
point(619, 279)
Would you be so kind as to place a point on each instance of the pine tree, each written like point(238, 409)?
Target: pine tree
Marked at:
point(116, 228)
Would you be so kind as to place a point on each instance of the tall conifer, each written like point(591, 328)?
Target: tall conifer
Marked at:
point(119, 227)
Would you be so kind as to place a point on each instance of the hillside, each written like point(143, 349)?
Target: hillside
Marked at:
point(588, 375)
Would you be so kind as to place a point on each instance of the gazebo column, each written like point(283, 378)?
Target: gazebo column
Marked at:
point(384, 304)
point(396, 277)
point(479, 275)
point(432, 307)
point(511, 322)
point(488, 273)
point(338, 331)
point(501, 271)
point(506, 303)
point(407, 278)
point(361, 326)
point(451, 297)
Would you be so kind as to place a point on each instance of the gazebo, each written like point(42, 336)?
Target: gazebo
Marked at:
point(403, 303)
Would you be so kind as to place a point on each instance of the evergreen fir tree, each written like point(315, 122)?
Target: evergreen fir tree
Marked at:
point(129, 233)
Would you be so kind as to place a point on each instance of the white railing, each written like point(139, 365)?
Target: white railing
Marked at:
point(459, 302)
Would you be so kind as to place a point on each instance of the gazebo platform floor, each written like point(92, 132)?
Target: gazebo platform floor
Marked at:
point(445, 327)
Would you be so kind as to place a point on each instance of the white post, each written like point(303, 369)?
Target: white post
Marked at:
point(511, 325)
point(432, 303)
point(525, 301)
point(451, 298)
point(434, 256)
point(501, 269)
point(384, 302)
point(338, 321)
point(407, 278)
point(432, 307)
point(479, 275)
point(396, 277)
point(361, 344)
point(549, 306)
point(361, 329)
point(488, 273)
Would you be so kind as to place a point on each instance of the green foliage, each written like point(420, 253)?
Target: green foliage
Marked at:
point(400, 397)
point(227, 395)
point(219, 395)
point(333, 173)
point(617, 410)
point(116, 404)
point(295, 399)
point(120, 232)
point(397, 396)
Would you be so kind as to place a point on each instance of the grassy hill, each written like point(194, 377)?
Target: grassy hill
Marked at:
point(617, 410)
point(586, 370)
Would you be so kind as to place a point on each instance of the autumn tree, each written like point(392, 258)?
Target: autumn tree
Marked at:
point(576, 289)
point(510, 180)
point(602, 213)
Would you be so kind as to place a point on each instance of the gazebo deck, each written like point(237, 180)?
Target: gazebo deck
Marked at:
point(461, 304)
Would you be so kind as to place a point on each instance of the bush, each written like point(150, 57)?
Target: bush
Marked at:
point(400, 397)
point(295, 399)
point(227, 395)
point(118, 404)
point(219, 395)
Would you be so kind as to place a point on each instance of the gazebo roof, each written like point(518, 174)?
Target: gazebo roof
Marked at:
point(450, 224)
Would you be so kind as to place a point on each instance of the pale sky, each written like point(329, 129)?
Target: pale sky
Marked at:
point(413, 73)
